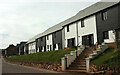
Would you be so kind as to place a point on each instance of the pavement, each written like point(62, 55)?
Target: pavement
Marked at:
point(15, 69)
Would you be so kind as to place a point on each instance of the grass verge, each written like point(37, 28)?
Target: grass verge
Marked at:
point(109, 57)
point(45, 57)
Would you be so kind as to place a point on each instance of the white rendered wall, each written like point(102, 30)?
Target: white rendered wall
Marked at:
point(49, 42)
point(63, 38)
point(42, 49)
point(111, 37)
point(24, 50)
point(90, 28)
point(32, 47)
point(56, 47)
point(38, 49)
point(71, 34)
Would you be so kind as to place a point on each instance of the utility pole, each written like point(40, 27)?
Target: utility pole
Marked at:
point(116, 41)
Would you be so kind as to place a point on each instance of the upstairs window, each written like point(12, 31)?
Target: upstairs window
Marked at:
point(68, 28)
point(104, 15)
point(48, 37)
point(82, 23)
point(106, 35)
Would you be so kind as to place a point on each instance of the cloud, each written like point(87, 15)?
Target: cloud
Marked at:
point(20, 20)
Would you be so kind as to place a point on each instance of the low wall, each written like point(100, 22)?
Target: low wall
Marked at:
point(99, 50)
point(49, 66)
point(69, 58)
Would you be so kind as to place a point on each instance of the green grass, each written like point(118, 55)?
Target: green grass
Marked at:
point(46, 57)
point(109, 57)
point(114, 60)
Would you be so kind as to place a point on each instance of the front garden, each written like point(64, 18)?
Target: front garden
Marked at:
point(108, 61)
point(48, 60)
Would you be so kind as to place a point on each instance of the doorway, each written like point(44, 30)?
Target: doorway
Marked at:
point(88, 40)
point(50, 47)
point(71, 42)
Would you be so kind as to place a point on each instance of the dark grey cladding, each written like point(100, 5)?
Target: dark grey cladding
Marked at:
point(41, 42)
point(57, 39)
point(21, 47)
point(112, 22)
point(17, 47)
point(26, 48)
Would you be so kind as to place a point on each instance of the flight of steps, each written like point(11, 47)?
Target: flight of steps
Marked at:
point(79, 65)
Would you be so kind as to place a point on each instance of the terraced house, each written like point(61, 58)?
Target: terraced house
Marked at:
point(21, 48)
point(93, 25)
point(31, 45)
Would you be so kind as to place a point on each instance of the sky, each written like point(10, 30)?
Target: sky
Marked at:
point(21, 20)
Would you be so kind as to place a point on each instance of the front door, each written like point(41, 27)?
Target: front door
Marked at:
point(88, 40)
point(71, 42)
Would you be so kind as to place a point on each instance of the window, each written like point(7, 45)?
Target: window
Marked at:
point(82, 23)
point(104, 15)
point(68, 28)
point(48, 37)
point(105, 35)
point(50, 47)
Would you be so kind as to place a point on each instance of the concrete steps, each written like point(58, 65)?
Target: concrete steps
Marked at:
point(77, 68)
point(79, 65)
point(80, 60)
point(75, 71)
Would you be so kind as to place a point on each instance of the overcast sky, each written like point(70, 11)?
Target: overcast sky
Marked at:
point(20, 20)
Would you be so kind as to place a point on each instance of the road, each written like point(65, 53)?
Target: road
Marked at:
point(14, 69)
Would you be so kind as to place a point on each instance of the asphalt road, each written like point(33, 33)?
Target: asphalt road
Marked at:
point(14, 69)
